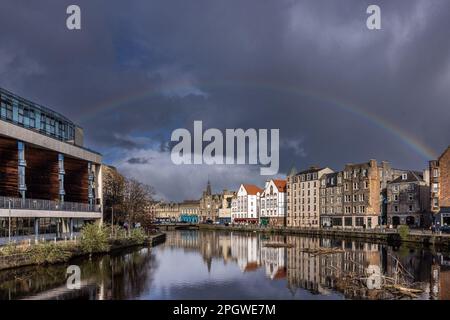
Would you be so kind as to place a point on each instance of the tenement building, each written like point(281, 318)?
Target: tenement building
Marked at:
point(331, 199)
point(303, 190)
point(273, 203)
point(408, 199)
point(440, 188)
point(361, 201)
point(50, 184)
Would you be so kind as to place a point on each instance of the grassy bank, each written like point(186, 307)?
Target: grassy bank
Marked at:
point(94, 240)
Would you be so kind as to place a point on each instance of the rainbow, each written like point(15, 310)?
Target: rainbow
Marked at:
point(407, 138)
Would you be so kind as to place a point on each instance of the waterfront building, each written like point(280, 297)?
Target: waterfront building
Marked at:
point(167, 211)
point(440, 188)
point(331, 199)
point(50, 184)
point(210, 204)
point(408, 199)
point(226, 207)
point(189, 211)
point(247, 205)
point(361, 191)
point(273, 203)
point(303, 197)
point(386, 174)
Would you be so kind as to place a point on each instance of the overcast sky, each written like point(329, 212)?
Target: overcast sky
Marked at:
point(139, 69)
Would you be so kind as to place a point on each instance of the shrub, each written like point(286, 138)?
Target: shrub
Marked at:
point(9, 249)
point(403, 231)
point(138, 236)
point(94, 238)
point(119, 233)
point(49, 253)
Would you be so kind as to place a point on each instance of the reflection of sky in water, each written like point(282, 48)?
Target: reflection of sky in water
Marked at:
point(184, 275)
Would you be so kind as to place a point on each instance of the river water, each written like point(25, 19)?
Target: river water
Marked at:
point(236, 265)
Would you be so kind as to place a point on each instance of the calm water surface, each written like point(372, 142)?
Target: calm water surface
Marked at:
point(231, 265)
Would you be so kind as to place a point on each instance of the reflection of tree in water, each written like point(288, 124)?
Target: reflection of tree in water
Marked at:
point(130, 274)
point(17, 283)
point(119, 275)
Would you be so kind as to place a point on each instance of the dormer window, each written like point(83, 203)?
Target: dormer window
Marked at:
point(404, 176)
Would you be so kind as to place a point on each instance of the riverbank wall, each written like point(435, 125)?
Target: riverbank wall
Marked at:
point(26, 258)
point(378, 236)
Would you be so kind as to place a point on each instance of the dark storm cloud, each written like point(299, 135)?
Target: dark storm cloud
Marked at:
point(139, 69)
point(138, 161)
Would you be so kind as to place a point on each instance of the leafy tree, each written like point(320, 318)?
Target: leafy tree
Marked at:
point(94, 238)
point(403, 231)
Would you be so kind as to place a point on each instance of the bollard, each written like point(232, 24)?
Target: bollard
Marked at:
point(55, 239)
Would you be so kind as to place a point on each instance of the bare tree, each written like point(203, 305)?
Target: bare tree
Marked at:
point(113, 190)
point(136, 201)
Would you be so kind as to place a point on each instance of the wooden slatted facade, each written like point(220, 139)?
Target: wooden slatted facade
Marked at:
point(9, 168)
point(76, 180)
point(41, 174)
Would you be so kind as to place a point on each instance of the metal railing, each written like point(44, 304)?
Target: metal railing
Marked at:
point(38, 204)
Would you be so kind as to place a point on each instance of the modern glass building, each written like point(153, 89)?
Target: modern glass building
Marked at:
point(50, 184)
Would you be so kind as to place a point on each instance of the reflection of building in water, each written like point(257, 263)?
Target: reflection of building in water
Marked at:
point(245, 249)
point(225, 247)
point(356, 258)
point(409, 265)
point(185, 239)
point(274, 260)
point(317, 273)
point(303, 269)
point(440, 278)
point(209, 244)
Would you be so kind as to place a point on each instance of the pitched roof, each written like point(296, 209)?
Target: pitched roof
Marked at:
point(311, 169)
point(411, 176)
point(252, 189)
point(280, 184)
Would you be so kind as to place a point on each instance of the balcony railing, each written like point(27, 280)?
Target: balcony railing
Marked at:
point(37, 204)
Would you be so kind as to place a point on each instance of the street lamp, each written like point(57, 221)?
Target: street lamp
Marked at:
point(9, 220)
point(112, 221)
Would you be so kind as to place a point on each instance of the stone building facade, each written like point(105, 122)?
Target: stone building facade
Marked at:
point(408, 200)
point(210, 204)
point(303, 190)
point(186, 211)
point(361, 195)
point(166, 211)
point(225, 209)
point(440, 188)
point(331, 199)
